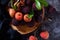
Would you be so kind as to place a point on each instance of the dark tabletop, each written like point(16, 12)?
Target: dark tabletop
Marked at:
point(52, 25)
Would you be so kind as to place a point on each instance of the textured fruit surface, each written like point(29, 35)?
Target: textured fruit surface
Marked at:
point(25, 9)
point(32, 38)
point(28, 2)
point(44, 35)
point(26, 19)
point(34, 6)
point(11, 12)
point(15, 22)
point(18, 16)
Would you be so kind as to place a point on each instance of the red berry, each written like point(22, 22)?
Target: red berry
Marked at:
point(44, 35)
point(32, 37)
point(18, 16)
point(26, 19)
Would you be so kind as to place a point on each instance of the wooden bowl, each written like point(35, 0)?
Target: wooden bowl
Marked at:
point(24, 29)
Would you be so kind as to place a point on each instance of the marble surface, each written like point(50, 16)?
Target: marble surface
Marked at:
point(55, 4)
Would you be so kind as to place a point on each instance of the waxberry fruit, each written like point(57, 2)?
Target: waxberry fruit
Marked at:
point(44, 35)
point(26, 19)
point(18, 16)
point(32, 37)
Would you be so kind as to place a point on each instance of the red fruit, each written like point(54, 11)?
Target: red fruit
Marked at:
point(18, 16)
point(44, 35)
point(32, 38)
point(26, 19)
point(11, 12)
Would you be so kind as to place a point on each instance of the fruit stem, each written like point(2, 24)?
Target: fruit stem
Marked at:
point(14, 6)
point(11, 3)
point(31, 14)
point(43, 12)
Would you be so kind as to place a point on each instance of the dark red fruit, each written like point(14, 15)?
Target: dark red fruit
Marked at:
point(25, 9)
point(28, 2)
point(15, 22)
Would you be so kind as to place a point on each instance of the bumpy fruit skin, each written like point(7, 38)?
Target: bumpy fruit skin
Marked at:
point(26, 19)
point(34, 6)
point(18, 16)
point(28, 2)
point(15, 22)
point(44, 35)
point(11, 12)
point(26, 9)
point(32, 38)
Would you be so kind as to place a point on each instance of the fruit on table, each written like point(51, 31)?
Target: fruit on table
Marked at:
point(44, 35)
point(18, 16)
point(26, 18)
point(11, 12)
point(32, 38)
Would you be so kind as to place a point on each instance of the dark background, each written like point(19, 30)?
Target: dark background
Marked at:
point(52, 25)
point(55, 4)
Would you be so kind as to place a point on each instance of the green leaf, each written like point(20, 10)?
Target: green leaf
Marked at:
point(12, 5)
point(38, 5)
point(31, 14)
point(43, 2)
point(11, 1)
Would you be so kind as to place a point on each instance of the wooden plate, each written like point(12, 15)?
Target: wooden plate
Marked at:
point(24, 29)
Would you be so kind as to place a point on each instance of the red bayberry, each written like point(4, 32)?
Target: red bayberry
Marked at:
point(44, 35)
point(32, 38)
point(26, 19)
point(18, 16)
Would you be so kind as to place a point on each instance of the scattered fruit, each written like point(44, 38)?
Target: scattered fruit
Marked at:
point(26, 19)
point(32, 38)
point(18, 16)
point(11, 12)
point(44, 35)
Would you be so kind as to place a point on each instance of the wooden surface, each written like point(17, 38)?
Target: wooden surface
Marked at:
point(24, 29)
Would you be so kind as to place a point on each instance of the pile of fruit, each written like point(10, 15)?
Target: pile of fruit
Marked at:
point(25, 10)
